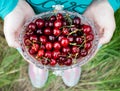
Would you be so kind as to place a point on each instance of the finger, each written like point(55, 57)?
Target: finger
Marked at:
point(21, 52)
point(107, 35)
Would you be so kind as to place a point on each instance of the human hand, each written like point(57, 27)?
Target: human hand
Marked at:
point(102, 14)
point(14, 21)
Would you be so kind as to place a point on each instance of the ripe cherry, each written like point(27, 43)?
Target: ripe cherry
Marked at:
point(59, 16)
point(71, 38)
point(48, 46)
point(79, 40)
point(68, 62)
point(32, 26)
point(56, 31)
point(77, 20)
point(56, 54)
point(50, 23)
point(60, 38)
point(64, 42)
point(61, 60)
point(66, 50)
point(32, 51)
point(53, 18)
point(45, 62)
point(48, 54)
point(42, 47)
point(89, 37)
point(86, 29)
point(83, 52)
point(75, 49)
point(34, 38)
point(27, 42)
point(40, 53)
point(57, 46)
point(43, 39)
point(39, 32)
point(35, 47)
point(47, 31)
point(40, 23)
point(51, 38)
point(65, 31)
point(58, 24)
point(87, 45)
point(46, 23)
point(53, 62)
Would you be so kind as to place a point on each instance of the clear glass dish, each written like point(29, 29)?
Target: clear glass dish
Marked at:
point(80, 61)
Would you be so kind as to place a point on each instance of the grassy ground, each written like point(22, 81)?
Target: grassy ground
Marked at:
point(102, 73)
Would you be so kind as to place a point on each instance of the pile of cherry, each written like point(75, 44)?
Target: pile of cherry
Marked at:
point(58, 39)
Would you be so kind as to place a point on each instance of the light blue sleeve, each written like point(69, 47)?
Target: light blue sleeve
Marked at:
point(71, 5)
point(6, 6)
point(115, 4)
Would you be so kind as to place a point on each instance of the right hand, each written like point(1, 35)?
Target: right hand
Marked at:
point(14, 22)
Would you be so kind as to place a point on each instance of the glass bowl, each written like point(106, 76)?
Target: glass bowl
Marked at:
point(80, 61)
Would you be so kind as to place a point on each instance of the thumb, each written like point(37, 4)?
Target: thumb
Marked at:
point(107, 35)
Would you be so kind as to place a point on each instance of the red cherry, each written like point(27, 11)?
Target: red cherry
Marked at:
point(40, 53)
point(83, 52)
point(61, 60)
point(35, 47)
point(27, 42)
point(87, 45)
point(56, 54)
point(40, 23)
point(44, 62)
point(39, 32)
point(64, 42)
point(48, 54)
point(75, 49)
point(57, 23)
point(42, 47)
point(31, 51)
point(79, 40)
point(33, 38)
point(77, 20)
point(89, 37)
point(86, 29)
point(65, 31)
point(43, 39)
point(47, 31)
point(57, 46)
point(48, 46)
point(53, 18)
point(59, 16)
point(66, 50)
point(71, 38)
point(56, 31)
point(68, 62)
point(53, 62)
point(50, 23)
point(60, 38)
point(51, 38)
point(46, 23)
point(32, 26)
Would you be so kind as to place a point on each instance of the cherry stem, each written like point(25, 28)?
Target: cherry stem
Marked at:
point(74, 31)
point(67, 26)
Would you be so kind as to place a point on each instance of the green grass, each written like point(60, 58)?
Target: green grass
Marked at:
point(102, 73)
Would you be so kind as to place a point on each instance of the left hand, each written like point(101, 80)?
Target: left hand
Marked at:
point(103, 16)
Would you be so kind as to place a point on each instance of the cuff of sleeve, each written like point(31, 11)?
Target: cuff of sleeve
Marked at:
point(115, 5)
point(8, 8)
